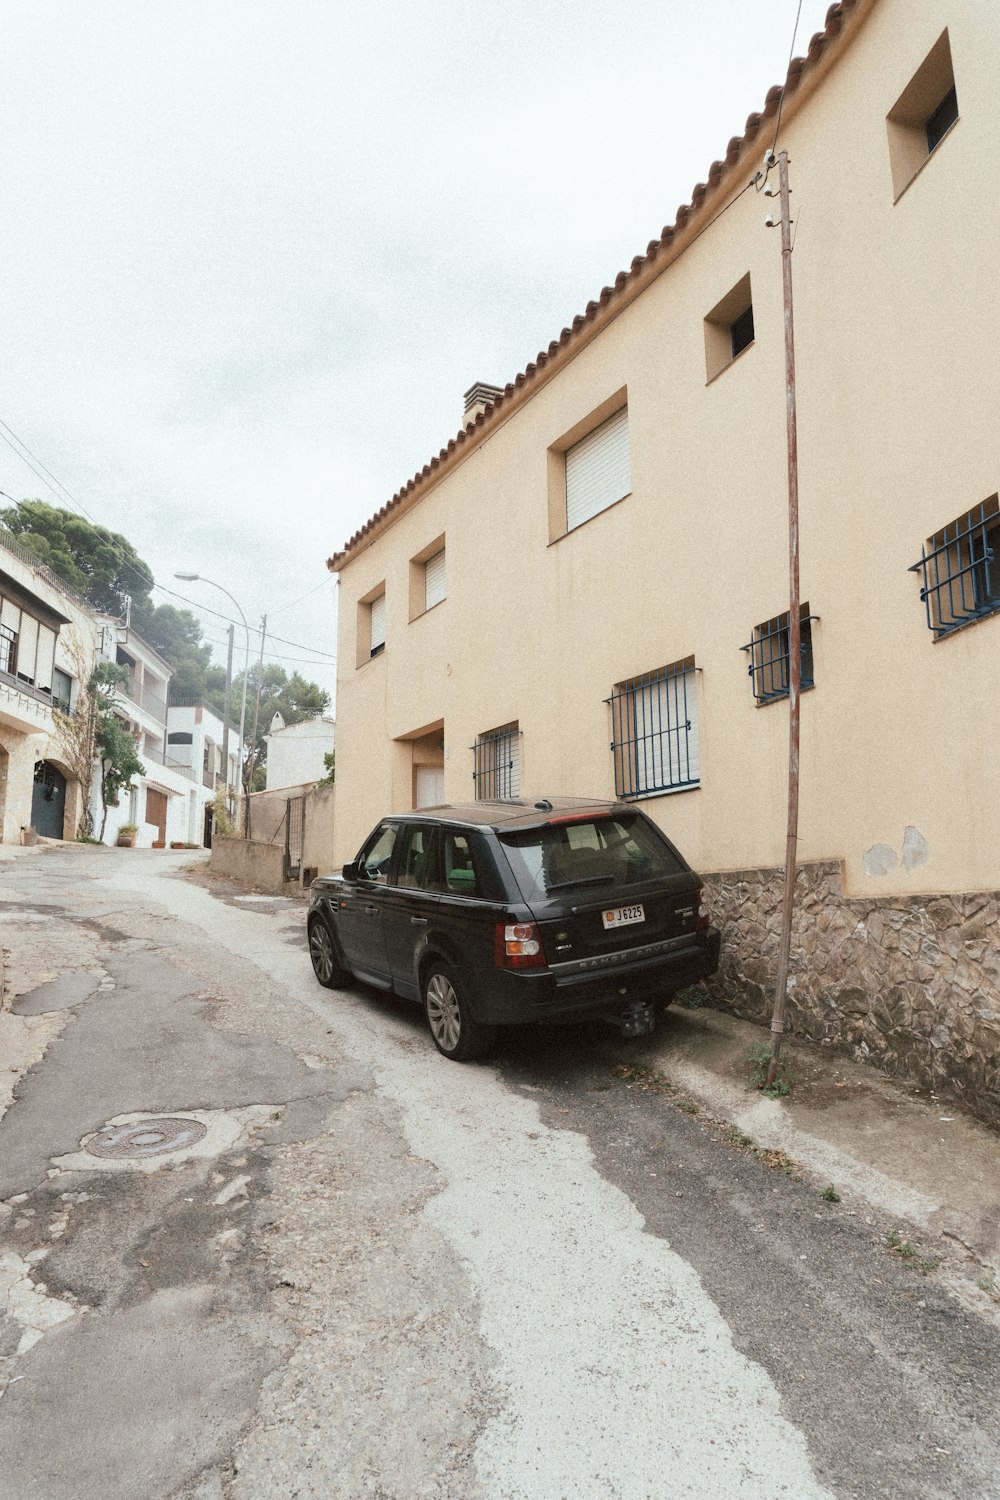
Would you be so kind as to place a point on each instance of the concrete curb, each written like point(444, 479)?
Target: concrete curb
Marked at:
point(903, 1152)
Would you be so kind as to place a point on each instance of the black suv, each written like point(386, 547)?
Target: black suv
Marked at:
point(501, 912)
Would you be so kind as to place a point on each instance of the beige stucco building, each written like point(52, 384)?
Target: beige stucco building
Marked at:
point(583, 592)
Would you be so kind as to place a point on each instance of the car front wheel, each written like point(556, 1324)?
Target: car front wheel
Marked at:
point(456, 1034)
point(323, 954)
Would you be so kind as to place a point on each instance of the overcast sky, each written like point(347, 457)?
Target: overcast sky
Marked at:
point(254, 253)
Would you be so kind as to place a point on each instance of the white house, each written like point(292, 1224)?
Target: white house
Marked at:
point(162, 803)
point(295, 752)
point(194, 747)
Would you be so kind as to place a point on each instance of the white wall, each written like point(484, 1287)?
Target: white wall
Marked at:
point(295, 754)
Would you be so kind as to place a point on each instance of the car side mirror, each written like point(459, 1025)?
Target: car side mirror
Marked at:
point(350, 870)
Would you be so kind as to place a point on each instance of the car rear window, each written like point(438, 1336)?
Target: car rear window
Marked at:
point(607, 851)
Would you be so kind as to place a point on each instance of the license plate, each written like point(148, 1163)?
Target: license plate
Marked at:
point(622, 916)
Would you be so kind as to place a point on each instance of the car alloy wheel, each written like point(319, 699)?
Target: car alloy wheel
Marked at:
point(456, 1034)
point(324, 958)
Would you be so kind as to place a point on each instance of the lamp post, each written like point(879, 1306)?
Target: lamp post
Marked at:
point(199, 578)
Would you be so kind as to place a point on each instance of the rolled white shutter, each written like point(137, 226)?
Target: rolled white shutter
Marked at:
point(598, 470)
point(434, 580)
point(27, 646)
point(46, 658)
point(514, 782)
point(378, 622)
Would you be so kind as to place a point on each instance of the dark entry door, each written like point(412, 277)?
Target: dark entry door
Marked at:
point(48, 801)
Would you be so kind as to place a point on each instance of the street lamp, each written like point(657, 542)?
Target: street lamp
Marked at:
point(199, 578)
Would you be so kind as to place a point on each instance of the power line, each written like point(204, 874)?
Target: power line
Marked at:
point(254, 629)
point(282, 607)
point(51, 480)
point(781, 100)
point(222, 641)
point(56, 485)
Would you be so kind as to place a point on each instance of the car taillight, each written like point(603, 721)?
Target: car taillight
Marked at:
point(519, 946)
point(701, 920)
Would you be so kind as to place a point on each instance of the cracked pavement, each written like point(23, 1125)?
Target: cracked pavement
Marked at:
point(314, 1259)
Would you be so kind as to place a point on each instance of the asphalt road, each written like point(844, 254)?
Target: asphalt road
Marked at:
point(338, 1266)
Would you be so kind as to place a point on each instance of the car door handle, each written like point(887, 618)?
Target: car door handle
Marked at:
point(371, 911)
point(418, 921)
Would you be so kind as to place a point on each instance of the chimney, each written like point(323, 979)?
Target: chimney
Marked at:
point(479, 397)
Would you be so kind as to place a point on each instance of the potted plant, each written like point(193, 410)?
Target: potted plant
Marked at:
point(127, 835)
point(159, 843)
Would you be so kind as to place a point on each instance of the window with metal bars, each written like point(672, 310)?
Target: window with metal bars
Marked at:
point(654, 732)
point(960, 570)
point(768, 650)
point(496, 772)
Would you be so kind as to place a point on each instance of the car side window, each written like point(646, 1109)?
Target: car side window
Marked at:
point(459, 868)
point(376, 857)
point(419, 862)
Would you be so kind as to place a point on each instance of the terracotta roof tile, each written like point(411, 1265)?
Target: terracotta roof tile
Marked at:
point(735, 151)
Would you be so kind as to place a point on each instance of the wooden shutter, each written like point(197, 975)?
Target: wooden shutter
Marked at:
point(598, 470)
point(378, 623)
point(434, 580)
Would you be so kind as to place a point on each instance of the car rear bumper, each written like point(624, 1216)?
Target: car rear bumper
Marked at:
point(554, 995)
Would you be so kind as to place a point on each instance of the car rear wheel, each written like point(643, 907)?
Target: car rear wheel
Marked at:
point(456, 1034)
point(323, 954)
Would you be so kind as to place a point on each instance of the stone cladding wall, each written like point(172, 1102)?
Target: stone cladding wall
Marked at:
point(909, 983)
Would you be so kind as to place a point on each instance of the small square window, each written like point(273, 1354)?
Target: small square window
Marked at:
point(496, 771)
point(742, 331)
point(922, 115)
point(941, 120)
point(729, 328)
point(654, 732)
point(768, 650)
point(960, 570)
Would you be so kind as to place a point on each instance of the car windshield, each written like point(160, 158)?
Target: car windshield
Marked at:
point(599, 852)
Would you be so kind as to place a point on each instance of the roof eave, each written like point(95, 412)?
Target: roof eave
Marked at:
point(690, 220)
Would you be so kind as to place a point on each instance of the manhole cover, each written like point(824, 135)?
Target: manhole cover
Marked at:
point(147, 1137)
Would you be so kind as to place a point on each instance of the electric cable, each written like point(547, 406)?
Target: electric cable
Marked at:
point(56, 486)
point(791, 54)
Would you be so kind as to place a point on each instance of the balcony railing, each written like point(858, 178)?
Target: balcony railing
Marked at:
point(144, 698)
point(25, 698)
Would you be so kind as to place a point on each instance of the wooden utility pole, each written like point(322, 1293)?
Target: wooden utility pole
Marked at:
point(256, 716)
point(794, 631)
point(226, 710)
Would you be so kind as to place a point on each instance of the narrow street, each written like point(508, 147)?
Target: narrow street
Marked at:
point(339, 1266)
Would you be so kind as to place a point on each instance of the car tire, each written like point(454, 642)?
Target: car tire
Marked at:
point(323, 953)
point(456, 1034)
